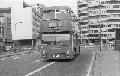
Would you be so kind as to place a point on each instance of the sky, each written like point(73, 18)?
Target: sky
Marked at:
point(70, 3)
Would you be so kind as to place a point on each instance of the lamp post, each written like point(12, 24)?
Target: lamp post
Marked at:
point(107, 35)
point(100, 26)
point(15, 26)
point(81, 34)
point(107, 30)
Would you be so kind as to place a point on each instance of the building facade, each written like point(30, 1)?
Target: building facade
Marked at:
point(82, 10)
point(97, 21)
point(26, 21)
point(5, 24)
point(103, 15)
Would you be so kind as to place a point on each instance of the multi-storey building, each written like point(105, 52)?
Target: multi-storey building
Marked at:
point(83, 19)
point(103, 15)
point(26, 21)
point(5, 24)
point(113, 19)
point(97, 21)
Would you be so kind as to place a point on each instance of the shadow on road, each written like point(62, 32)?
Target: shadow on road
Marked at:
point(58, 60)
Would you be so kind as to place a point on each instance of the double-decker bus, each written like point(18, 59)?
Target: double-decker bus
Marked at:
point(59, 40)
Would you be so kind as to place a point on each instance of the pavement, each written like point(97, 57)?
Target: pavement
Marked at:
point(106, 63)
point(17, 53)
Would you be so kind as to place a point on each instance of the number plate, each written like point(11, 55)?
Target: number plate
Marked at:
point(57, 56)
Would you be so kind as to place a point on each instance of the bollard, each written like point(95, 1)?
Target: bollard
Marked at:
point(100, 74)
point(94, 69)
point(114, 74)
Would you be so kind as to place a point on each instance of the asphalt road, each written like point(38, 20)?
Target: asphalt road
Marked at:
point(33, 65)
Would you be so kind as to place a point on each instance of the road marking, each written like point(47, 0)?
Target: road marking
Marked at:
point(36, 61)
point(23, 54)
point(3, 59)
point(31, 73)
point(88, 73)
point(115, 57)
point(15, 57)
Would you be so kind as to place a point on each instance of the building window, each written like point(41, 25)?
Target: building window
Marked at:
point(102, 2)
point(102, 11)
point(110, 35)
point(92, 31)
point(110, 30)
point(117, 25)
point(1, 30)
point(8, 30)
point(95, 31)
point(109, 25)
point(104, 35)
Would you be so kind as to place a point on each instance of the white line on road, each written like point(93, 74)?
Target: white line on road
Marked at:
point(31, 73)
point(3, 59)
point(88, 73)
point(36, 61)
point(15, 57)
point(115, 56)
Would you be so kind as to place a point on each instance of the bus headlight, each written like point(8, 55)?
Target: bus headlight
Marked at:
point(67, 52)
point(44, 53)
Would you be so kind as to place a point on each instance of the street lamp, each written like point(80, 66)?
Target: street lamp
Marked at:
point(100, 26)
point(81, 34)
point(15, 26)
point(107, 41)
